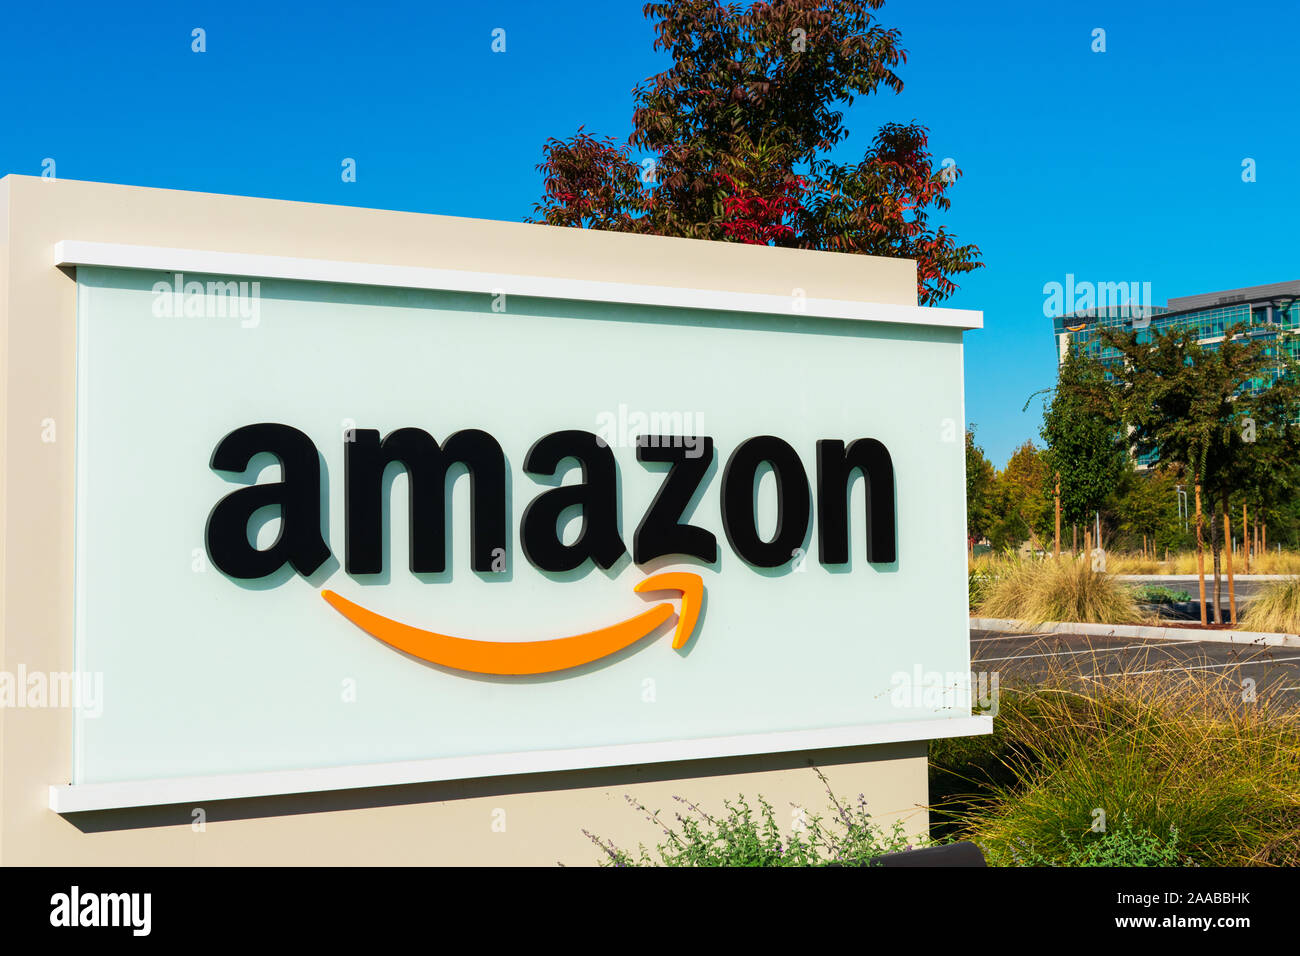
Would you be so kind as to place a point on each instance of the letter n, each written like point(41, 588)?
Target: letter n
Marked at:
point(835, 467)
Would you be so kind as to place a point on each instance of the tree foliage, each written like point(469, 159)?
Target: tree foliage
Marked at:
point(1084, 439)
point(739, 129)
point(1024, 507)
point(1147, 511)
point(1209, 410)
point(981, 490)
point(1221, 415)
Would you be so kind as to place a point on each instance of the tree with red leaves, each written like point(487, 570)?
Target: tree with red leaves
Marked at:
point(739, 129)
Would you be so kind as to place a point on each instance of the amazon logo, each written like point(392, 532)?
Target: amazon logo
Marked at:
point(534, 657)
point(660, 532)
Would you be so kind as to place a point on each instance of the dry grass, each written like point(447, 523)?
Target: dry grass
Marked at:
point(1184, 562)
point(1181, 562)
point(1136, 564)
point(1276, 608)
point(1177, 748)
point(1036, 591)
point(1275, 562)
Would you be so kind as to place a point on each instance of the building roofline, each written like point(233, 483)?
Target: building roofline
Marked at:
point(1250, 294)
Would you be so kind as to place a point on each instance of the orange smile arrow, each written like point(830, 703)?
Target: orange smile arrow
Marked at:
point(534, 657)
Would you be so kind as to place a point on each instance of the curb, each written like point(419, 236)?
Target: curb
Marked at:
point(1158, 578)
point(1151, 632)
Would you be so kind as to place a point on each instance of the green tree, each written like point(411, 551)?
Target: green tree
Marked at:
point(1024, 509)
point(740, 129)
point(1083, 436)
point(1209, 410)
point(981, 501)
point(1264, 472)
point(1148, 510)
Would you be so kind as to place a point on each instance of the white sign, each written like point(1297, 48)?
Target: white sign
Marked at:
point(355, 534)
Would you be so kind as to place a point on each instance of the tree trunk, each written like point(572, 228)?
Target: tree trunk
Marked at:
point(1227, 541)
point(1216, 555)
point(1200, 552)
point(1245, 539)
point(1056, 545)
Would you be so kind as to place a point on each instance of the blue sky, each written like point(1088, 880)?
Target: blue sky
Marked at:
point(1117, 166)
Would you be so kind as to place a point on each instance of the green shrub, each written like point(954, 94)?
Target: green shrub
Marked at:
point(743, 836)
point(1158, 594)
point(1124, 845)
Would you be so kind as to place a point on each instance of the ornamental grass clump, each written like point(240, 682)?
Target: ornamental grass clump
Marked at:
point(1276, 608)
point(1037, 591)
point(1158, 766)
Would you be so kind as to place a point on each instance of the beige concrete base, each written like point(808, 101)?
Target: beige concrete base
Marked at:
point(535, 820)
point(541, 818)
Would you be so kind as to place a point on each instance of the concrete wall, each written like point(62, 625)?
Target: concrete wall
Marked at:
point(448, 823)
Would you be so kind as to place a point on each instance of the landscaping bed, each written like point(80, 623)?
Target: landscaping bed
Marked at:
point(1168, 769)
point(1037, 591)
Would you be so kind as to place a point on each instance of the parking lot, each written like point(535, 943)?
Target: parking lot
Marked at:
point(1020, 658)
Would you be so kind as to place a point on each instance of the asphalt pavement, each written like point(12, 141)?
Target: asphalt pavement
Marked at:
point(1021, 659)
